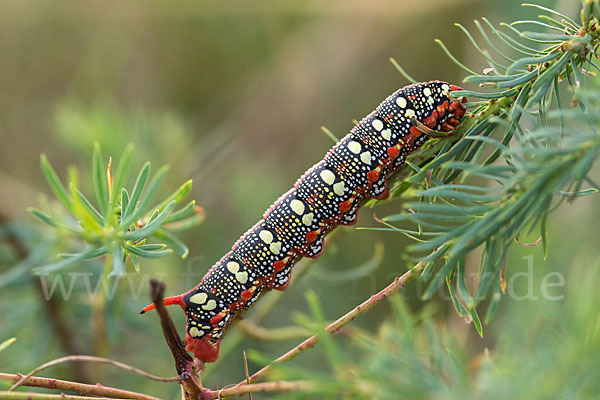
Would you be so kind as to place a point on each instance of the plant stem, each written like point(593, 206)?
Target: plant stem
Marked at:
point(191, 385)
point(44, 396)
point(279, 386)
point(95, 360)
point(81, 388)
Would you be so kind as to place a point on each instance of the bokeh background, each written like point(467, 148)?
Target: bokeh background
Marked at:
point(233, 95)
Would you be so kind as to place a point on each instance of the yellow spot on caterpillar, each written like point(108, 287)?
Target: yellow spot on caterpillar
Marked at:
point(275, 247)
point(427, 92)
point(386, 134)
point(307, 219)
point(210, 305)
point(199, 298)
point(377, 124)
point(195, 332)
point(266, 236)
point(354, 147)
point(327, 176)
point(297, 206)
point(338, 188)
point(401, 101)
point(242, 277)
point(233, 267)
point(366, 157)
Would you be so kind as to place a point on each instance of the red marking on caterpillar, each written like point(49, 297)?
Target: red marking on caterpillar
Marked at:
point(372, 176)
point(326, 196)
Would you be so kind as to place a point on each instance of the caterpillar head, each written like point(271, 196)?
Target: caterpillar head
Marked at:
point(206, 319)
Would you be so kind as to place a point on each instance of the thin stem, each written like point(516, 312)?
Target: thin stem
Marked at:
point(334, 327)
point(402, 71)
point(190, 384)
point(329, 134)
point(81, 388)
point(244, 388)
point(247, 374)
point(84, 358)
point(44, 396)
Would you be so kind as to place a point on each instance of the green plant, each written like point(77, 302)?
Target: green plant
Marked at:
point(122, 223)
point(523, 151)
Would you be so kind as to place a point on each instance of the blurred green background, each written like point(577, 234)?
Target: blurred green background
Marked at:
point(233, 95)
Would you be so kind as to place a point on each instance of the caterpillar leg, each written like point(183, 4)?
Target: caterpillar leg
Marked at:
point(351, 216)
point(282, 278)
point(378, 188)
point(315, 248)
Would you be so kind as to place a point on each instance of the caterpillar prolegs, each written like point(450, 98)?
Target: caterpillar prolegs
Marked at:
point(326, 196)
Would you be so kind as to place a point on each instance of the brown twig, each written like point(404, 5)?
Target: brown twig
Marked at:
point(95, 360)
point(334, 327)
point(44, 396)
point(190, 384)
point(279, 386)
point(76, 387)
point(247, 374)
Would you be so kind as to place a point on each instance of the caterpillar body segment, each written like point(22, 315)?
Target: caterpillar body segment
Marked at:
point(327, 195)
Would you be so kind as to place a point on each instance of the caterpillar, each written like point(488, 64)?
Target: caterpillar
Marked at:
point(326, 196)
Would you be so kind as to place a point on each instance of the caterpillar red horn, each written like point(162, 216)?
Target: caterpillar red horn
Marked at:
point(326, 196)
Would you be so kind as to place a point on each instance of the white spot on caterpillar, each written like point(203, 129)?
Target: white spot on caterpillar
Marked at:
point(366, 157)
point(427, 91)
point(386, 134)
point(210, 305)
point(377, 124)
point(445, 88)
point(430, 100)
point(195, 332)
point(275, 247)
point(401, 101)
point(354, 147)
point(297, 206)
point(199, 298)
point(242, 277)
point(409, 113)
point(338, 188)
point(266, 236)
point(307, 219)
point(327, 176)
point(233, 267)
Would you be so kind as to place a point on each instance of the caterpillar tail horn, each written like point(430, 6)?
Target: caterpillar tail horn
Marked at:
point(167, 301)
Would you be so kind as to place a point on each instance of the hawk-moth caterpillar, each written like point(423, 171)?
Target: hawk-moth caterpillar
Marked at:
point(326, 196)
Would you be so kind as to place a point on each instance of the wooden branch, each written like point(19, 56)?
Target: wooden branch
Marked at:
point(190, 382)
point(279, 386)
point(44, 396)
point(76, 387)
point(334, 327)
point(96, 360)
